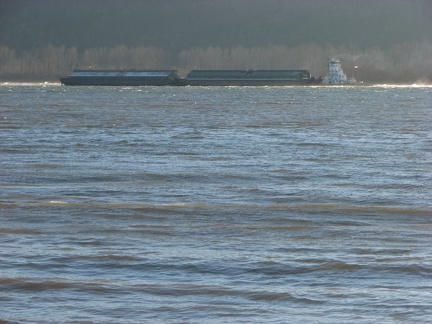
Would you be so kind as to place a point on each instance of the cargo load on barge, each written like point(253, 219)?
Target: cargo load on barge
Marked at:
point(193, 78)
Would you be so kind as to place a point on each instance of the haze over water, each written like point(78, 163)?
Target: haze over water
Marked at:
point(215, 205)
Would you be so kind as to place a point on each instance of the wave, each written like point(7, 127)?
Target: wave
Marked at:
point(27, 84)
point(414, 85)
point(87, 202)
point(36, 284)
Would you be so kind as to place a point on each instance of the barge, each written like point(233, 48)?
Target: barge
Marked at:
point(193, 78)
point(122, 78)
point(249, 78)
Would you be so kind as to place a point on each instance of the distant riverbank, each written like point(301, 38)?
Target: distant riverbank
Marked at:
point(401, 64)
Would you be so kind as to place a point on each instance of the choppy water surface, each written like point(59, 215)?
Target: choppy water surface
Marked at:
point(215, 205)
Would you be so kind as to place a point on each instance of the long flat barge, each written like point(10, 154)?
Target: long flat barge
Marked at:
point(122, 78)
point(193, 78)
point(248, 77)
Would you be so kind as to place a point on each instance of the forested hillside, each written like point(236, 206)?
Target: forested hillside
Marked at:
point(46, 38)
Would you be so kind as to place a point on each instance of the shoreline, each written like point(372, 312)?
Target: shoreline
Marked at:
point(55, 81)
point(364, 85)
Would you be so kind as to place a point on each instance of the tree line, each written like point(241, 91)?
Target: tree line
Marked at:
point(402, 63)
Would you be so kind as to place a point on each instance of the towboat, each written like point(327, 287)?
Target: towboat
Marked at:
point(335, 74)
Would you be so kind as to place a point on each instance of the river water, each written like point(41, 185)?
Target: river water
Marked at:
point(215, 205)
